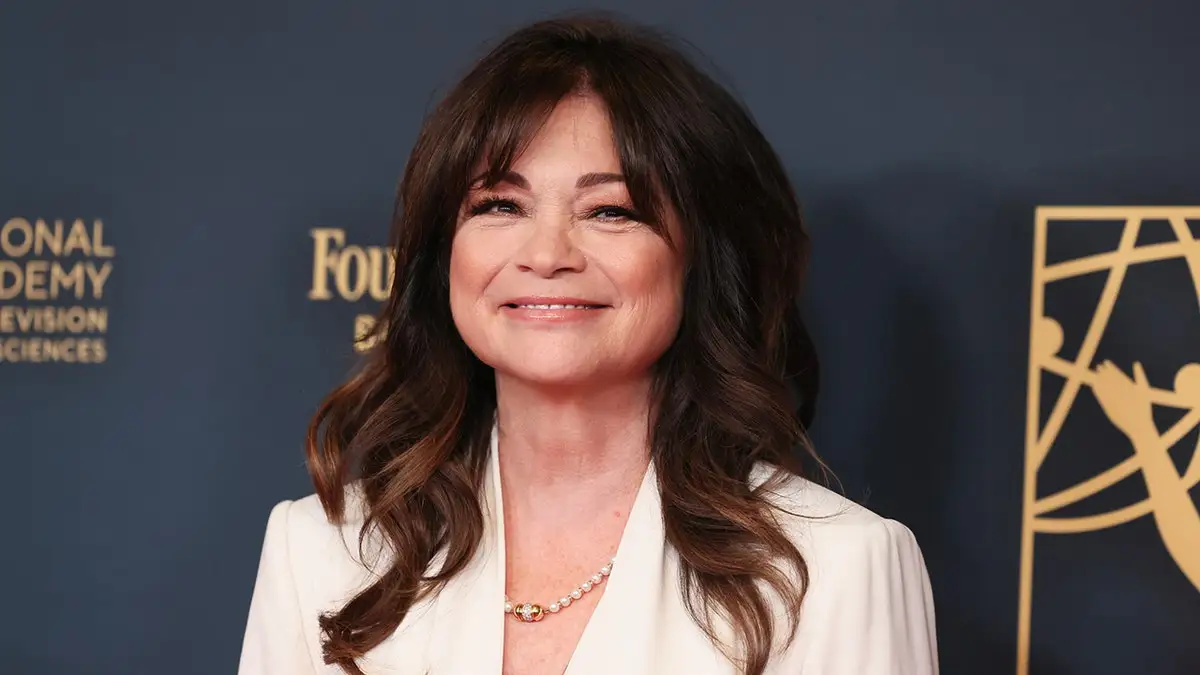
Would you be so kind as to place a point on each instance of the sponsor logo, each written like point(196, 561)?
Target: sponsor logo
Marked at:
point(53, 275)
point(352, 274)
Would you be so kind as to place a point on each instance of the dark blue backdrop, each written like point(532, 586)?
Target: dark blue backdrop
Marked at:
point(210, 138)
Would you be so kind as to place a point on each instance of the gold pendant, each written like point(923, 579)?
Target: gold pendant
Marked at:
point(529, 612)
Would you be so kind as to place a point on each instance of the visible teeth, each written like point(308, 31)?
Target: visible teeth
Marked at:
point(554, 306)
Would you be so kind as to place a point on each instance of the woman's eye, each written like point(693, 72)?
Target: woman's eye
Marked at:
point(613, 213)
point(495, 205)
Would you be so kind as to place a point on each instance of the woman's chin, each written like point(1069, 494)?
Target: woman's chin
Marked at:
point(551, 375)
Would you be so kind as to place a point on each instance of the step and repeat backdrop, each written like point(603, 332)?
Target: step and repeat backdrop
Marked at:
point(1004, 199)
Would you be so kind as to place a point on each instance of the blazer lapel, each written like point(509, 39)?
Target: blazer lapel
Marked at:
point(622, 633)
point(469, 636)
point(460, 631)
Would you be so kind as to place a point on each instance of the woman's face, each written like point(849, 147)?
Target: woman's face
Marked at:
point(553, 278)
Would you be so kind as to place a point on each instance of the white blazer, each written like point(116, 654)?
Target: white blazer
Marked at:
point(868, 611)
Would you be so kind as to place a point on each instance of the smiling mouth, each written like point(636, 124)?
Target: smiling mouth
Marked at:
point(512, 305)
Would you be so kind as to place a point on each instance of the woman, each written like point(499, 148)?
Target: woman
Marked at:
point(579, 443)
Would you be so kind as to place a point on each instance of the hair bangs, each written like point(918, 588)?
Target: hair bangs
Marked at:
point(510, 117)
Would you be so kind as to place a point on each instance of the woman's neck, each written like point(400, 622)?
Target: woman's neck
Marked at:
point(573, 447)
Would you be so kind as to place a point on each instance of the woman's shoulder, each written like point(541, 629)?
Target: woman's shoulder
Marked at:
point(318, 549)
point(830, 529)
point(308, 517)
point(866, 585)
point(309, 565)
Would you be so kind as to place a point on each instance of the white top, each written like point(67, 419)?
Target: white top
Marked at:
point(868, 611)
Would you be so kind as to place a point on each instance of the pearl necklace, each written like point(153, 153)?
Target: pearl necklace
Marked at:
point(528, 612)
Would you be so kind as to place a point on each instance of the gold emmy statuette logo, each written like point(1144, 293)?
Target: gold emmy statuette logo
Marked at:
point(53, 275)
point(357, 272)
point(1124, 394)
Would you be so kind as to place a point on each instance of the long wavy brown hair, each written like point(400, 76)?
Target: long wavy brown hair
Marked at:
point(737, 386)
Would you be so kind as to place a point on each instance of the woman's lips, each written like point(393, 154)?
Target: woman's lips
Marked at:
point(554, 302)
point(553, 306)
point(557, 310)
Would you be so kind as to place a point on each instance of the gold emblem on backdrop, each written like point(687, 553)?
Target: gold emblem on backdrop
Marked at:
point(351, 274)
point(53, 274)
point(1124, 394)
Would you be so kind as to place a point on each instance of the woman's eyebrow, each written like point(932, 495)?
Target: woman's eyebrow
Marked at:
point(511, 177)
point(588, 180)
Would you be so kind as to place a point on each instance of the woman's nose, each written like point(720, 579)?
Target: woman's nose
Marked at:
point(549, 248)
